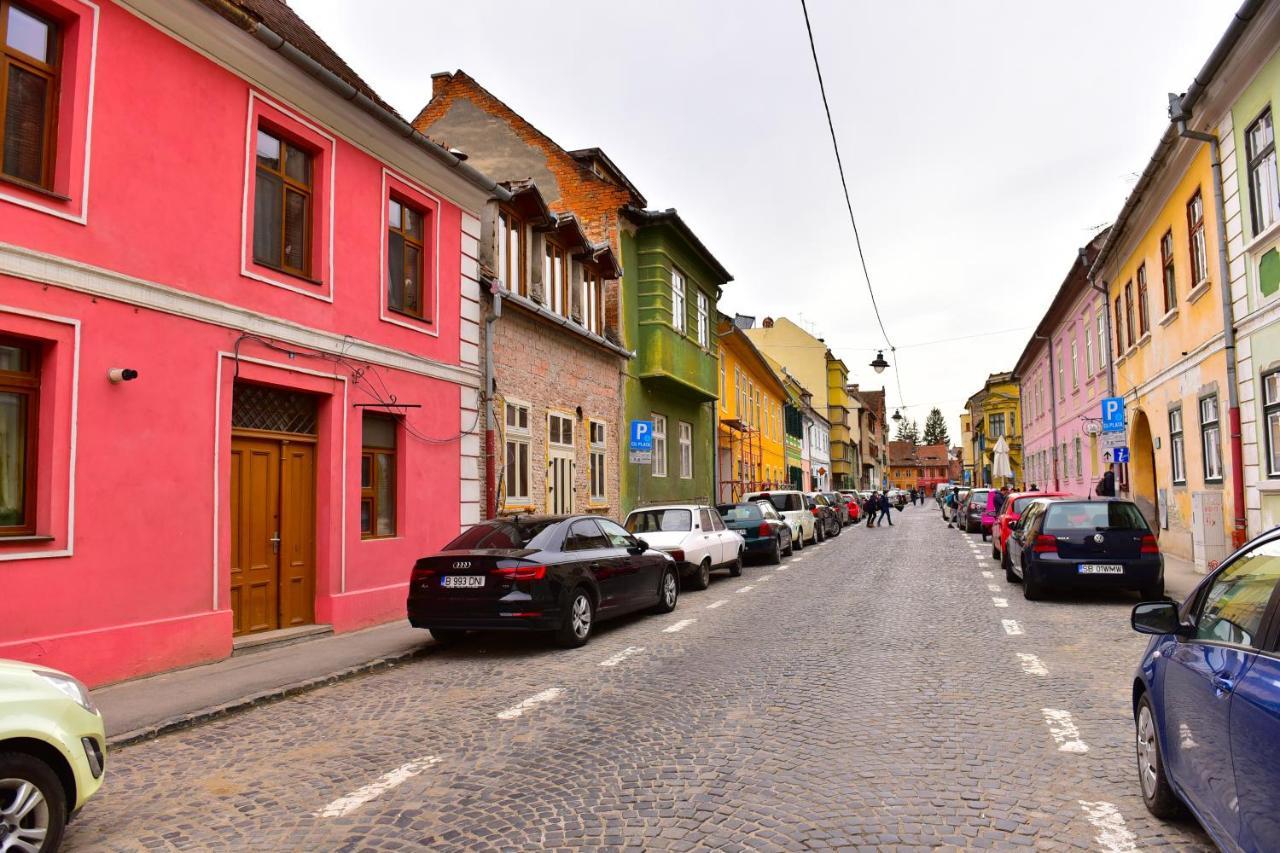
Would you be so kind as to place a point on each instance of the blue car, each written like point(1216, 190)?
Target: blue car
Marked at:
point(1206, 701)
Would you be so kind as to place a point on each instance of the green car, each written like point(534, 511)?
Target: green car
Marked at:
point(52, 754)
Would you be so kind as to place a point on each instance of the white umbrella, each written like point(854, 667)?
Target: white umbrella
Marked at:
point(1000, 466)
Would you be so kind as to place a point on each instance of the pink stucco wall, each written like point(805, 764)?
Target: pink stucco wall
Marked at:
point(141, 583)
point(1079, 395)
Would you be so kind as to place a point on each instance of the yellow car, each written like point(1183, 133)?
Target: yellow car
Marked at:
point(52, 754)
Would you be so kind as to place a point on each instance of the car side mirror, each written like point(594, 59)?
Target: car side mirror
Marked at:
point(638, 546)
point(1157, 617)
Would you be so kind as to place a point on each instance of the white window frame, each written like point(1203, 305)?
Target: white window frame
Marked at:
point(1263, 181)
point(659, 464)
point(1271, 420)
point(702, 319)
point(598, 461)
point(1088, 349)
point(1177, 448)
point(1075, 363)
point(1211, 439)
point(686, 450)
point(1102, 337)
point(678, 308)
point(516, 436)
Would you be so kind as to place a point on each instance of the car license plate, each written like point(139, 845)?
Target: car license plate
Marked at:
point(462, 581)
point(1095, 569)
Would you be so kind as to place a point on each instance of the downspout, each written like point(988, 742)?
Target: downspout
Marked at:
point(1053, 410)
point(1179, 115)
point(486, 399)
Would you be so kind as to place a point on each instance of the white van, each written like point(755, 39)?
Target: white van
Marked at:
point(790, 505)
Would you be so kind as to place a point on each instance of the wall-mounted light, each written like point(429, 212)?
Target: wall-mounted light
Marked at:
point(122, 374)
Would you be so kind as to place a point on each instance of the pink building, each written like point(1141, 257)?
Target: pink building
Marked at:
point(204, 193)
point(1062, 373)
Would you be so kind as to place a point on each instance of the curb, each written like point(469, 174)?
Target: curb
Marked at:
point(265, 697)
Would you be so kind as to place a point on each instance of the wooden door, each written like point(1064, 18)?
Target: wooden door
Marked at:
point(272, 533)
point(560, 452)
point(255, 520)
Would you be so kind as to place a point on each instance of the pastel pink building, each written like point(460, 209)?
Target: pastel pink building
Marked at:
point(1062, 373)
point(204, 193)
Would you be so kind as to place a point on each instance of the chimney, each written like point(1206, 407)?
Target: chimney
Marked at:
point(439, 81)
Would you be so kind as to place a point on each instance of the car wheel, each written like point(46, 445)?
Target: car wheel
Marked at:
point(775, 556)
point(791, 548)
point(995, 552)
point(1156, 792)
point(33, 803)
point(447, 636)
point(1032, 589)
point(797, 542)
point(735, 568)
point(579, 619)
point(818, 535)
point(702, 577)
point(837, 528)
point(1154, 592)
point(1007, 565)
point(668, 591)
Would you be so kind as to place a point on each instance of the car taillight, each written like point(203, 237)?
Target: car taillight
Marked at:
point(1044, 545)
point(522, 573)
point(1149, 545)
point(677, 555)
point(421, 574)
point(816, 514)
point(766, 529)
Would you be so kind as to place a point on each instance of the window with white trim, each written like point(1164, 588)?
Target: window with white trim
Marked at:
point(1079, 459)
point(1271, 414)
point(1211, 439)
point(1264, 192)
point(1177, 447)
point(597, 460)
point(1075, 363)
point(659, 445)
point(686, 451)
point(516, 485)
point(1195, 231)
point(19, 432)
point(1102, 336)
point(702, 319)
point(677, 300)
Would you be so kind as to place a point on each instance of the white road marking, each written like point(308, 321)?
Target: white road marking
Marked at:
point(679, 626)
point(533, 701)
point(713, 605)
point(993, 587)
point(629, 651)
point(1011, 627)
point(745, 589)
point(796, 559)
point(1000, 602)
point(357, 798)
point(1031, 664)
point(763, 579)
point(988, 575)
point(1064, 731)
point(1112, 835)
point(780, 569)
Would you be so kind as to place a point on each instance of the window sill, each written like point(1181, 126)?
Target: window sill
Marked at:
point(25, 539)
point(33, 188)
point(1199, 290)
point(404, 314)
point(1144, 340)
point(1269, 233)
point(389, 538)
point(517, 509)
point(1170, 316)
point(291, 273)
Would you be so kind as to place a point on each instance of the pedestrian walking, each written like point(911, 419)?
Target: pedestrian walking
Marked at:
point(869, 509)
point(885, 510)
point(1001, 496)
point(1107, 485)
point(951, 508)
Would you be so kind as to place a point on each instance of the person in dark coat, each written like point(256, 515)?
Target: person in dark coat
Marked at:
point(1107, 485)
point(885, 510)
point(870, 508)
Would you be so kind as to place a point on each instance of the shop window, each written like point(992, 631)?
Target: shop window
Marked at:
point(378, 477)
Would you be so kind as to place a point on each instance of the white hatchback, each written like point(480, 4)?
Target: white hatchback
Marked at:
point(790, 505)
point(695, 537)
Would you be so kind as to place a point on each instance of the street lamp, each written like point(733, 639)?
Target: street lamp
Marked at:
point(879, 363)
point(897, 415)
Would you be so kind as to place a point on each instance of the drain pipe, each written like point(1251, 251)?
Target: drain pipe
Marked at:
point(1179, 115)
point(486, 399)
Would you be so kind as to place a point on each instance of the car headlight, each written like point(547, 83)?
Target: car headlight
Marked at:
point(69, 687)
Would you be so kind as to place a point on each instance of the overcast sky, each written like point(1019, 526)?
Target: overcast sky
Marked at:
point(984, 142)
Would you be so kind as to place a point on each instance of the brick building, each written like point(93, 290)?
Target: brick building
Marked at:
point(917, 466)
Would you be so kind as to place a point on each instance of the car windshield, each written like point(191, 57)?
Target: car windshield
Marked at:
point(740, 512)
point(660, 521)
point(1093, 515)
point(1020, 504)
point(785, 503)
point(498, 535)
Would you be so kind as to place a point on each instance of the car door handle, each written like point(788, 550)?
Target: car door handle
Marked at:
point(1222, 686)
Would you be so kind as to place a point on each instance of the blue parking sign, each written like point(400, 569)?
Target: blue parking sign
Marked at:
point(642, 436)
point(1113, 414)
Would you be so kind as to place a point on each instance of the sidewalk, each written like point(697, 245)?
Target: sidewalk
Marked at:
point(1180, 577)
point(146, 707)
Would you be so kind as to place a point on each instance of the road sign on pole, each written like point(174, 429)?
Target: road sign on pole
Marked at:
point(1113, 414)
point(1119, 456)
point(1111, 440)
point(641, 442)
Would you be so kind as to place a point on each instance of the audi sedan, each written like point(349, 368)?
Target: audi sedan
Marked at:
point(557, 575)
point(1101, 544)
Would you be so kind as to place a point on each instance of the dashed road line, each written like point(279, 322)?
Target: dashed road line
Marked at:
point(1064, 731)
point(629, 651)
point(357, 798)
point(721, 603)
point(988, 574)
point(746, 589)
point(679, 626)
point(763, 579)
point(548, 695)
point(1000, 602)
point(1031, 664)
point(993, 587)
point(780, 569)
point(1012, 627)
point(1113, 835)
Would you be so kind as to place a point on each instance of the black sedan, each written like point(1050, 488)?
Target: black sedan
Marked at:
point(555, 574)
point(761, 527)
point(1101, 544)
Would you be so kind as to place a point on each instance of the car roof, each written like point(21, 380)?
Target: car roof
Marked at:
point(774, 492)
point(668, 506)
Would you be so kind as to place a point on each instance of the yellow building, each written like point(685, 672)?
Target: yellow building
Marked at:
point(966, 448)
point(1166, 321)
point(751, 431)
point(994, 412)
point(844, 424)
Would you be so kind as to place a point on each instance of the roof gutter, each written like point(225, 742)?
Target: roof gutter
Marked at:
point(347, 92)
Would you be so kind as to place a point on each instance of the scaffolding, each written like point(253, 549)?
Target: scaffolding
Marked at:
point(745, 460)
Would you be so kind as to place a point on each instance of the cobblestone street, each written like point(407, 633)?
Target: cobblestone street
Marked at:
point(885, 688)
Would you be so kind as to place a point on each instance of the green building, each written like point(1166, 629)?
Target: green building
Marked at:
point(671, 284)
